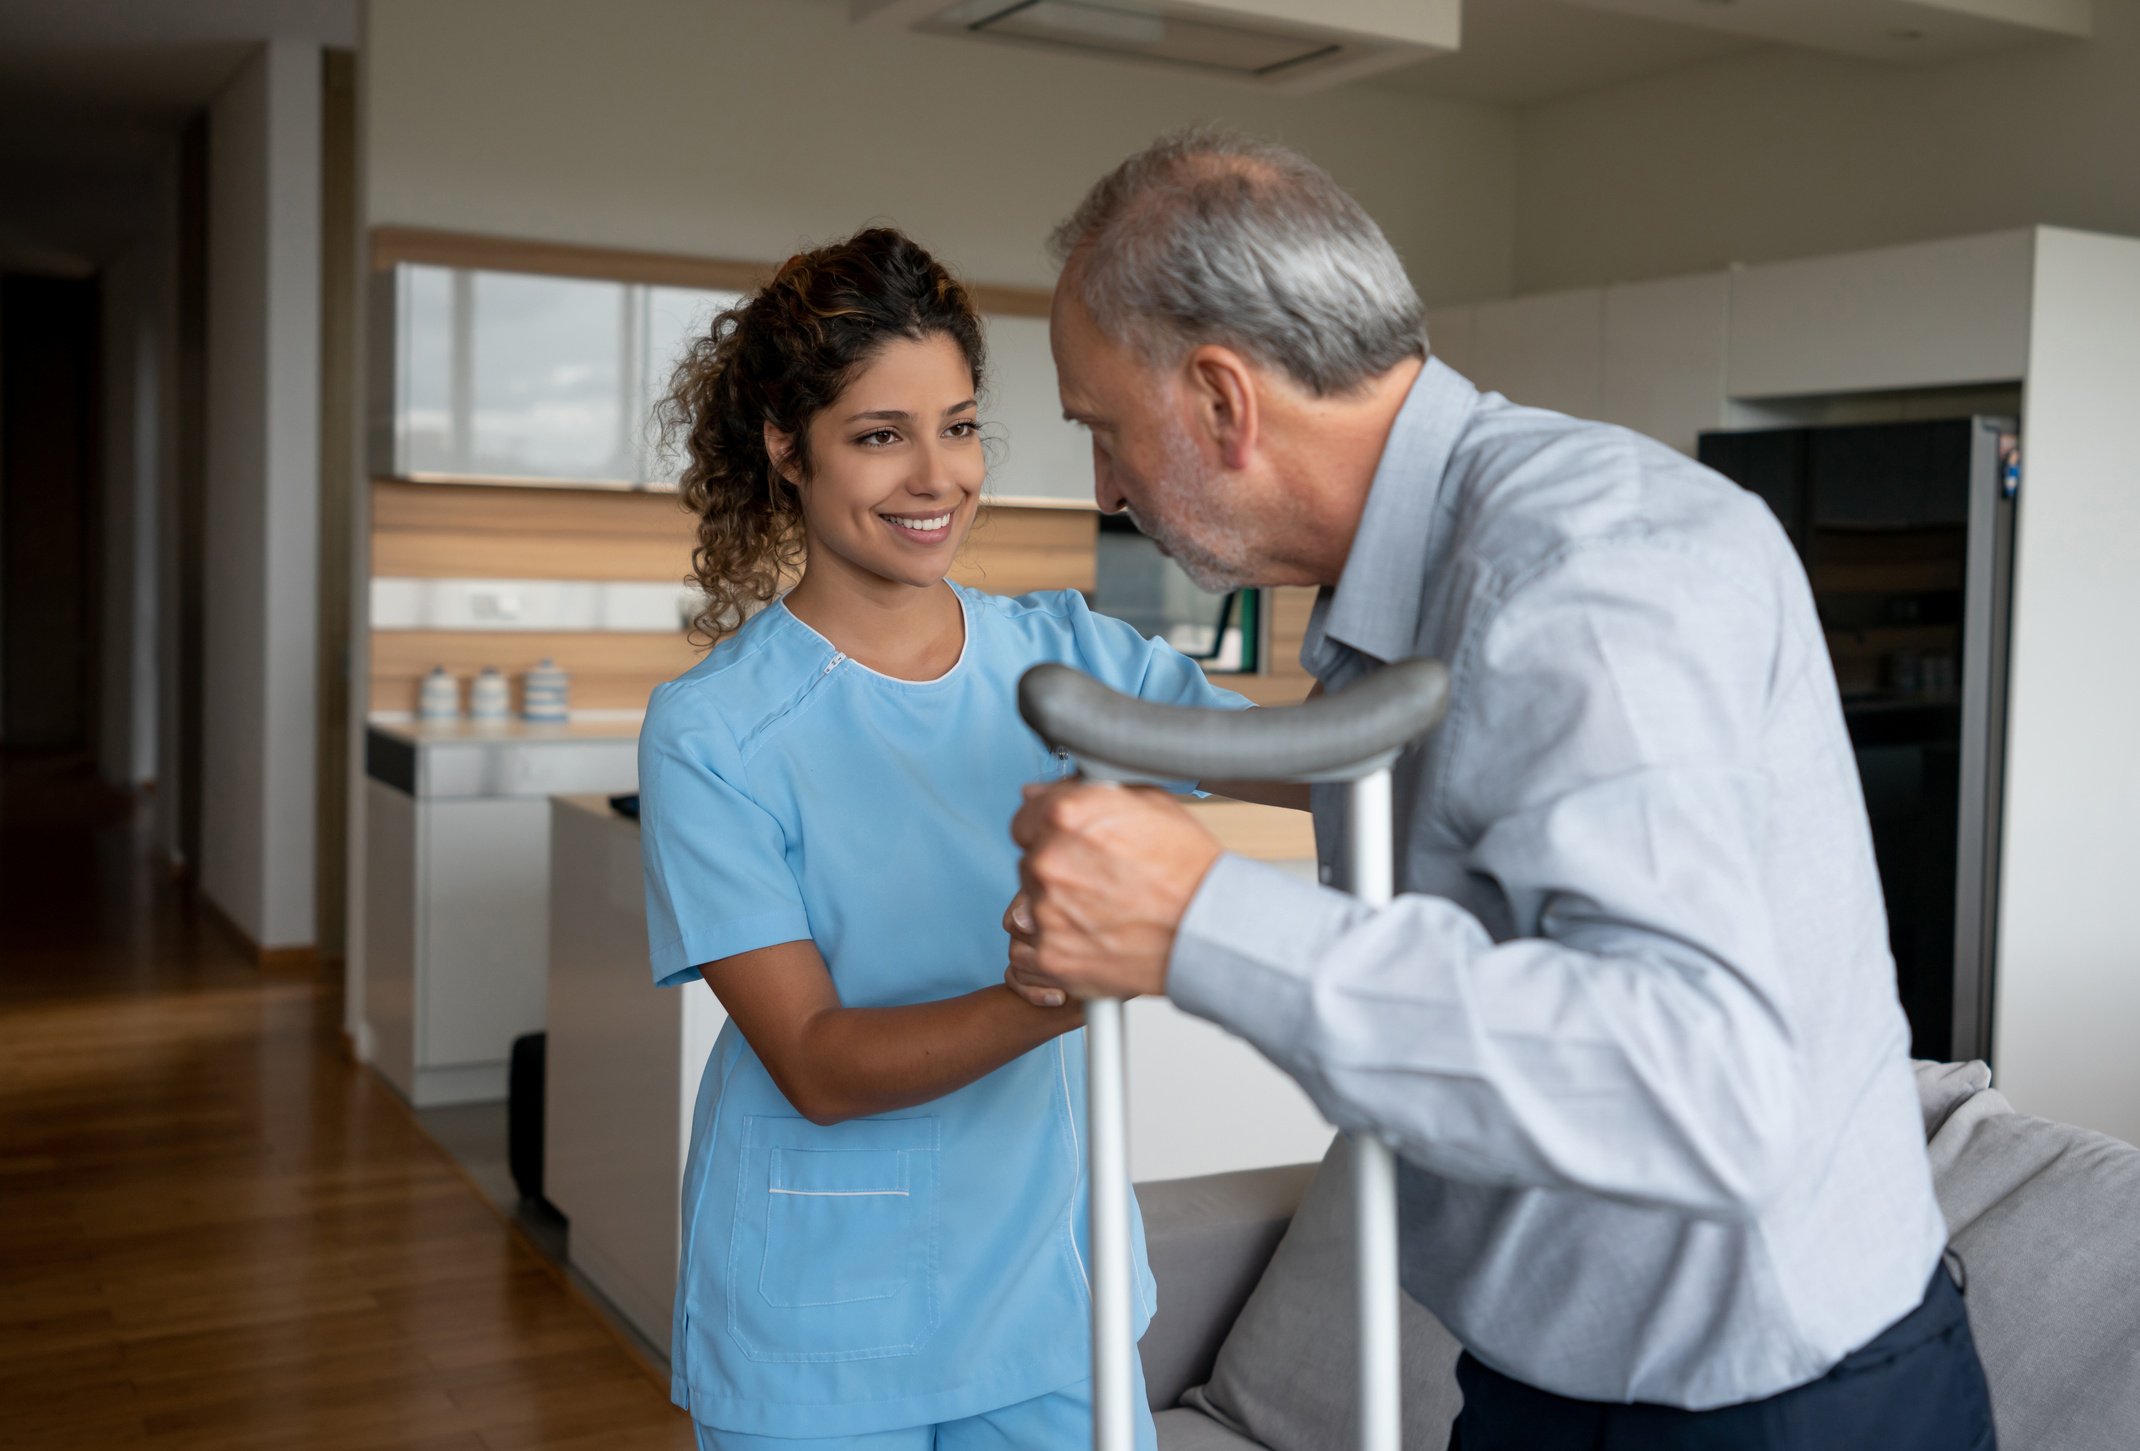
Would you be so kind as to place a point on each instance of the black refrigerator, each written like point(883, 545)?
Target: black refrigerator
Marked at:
point(1906, 532)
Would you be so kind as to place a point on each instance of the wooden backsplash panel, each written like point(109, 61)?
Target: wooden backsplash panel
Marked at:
point(610, 669)
point(460, 531)
point(1012, 551)
point(1283, 681)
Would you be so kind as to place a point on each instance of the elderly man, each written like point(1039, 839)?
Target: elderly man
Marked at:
point(1632, 1022)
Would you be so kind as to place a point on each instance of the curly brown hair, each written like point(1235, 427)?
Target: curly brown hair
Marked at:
point(780, 357)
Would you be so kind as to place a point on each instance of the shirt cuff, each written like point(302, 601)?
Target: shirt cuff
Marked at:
point(1245, 953)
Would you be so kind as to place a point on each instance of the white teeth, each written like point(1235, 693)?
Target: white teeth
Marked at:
point(919, 526)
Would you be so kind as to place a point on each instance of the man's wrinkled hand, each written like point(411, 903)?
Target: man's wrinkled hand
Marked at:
point(1107, 874)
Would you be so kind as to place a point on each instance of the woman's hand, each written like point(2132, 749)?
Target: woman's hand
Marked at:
point(1021, 977)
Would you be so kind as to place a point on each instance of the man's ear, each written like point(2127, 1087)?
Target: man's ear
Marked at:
point(780, 449)
point(1222, 387)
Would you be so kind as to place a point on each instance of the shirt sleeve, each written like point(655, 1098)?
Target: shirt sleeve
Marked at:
point(717, 876)
point(1605, 774)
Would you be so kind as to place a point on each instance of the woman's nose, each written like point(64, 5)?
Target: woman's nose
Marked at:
point(936, 474)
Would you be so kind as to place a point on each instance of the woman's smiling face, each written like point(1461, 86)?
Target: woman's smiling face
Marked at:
point(896, 465)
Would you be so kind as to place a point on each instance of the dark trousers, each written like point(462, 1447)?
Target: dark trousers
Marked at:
point(1916, 1387)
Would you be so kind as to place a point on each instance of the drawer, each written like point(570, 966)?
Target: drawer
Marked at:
point(528, 768)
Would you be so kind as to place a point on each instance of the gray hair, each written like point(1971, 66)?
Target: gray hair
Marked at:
point(1209, 236)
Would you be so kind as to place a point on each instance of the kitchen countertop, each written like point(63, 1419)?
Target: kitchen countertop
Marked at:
point(588, 726)
point(1261, 833)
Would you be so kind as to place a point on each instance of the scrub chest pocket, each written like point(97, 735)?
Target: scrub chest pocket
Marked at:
point(834, 1254)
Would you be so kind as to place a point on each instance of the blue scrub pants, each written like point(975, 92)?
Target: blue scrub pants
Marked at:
point(1058, 1421)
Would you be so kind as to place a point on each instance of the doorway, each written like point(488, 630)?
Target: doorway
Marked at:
point(48, 469)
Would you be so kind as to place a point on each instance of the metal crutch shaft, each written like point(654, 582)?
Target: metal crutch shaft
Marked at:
point(1107, 1124)
point(1370, 869)
point(1350, 735)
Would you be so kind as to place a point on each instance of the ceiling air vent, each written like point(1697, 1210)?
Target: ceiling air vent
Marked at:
point(1285, 44)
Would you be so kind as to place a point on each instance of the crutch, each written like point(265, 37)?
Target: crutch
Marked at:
point(1353, 735)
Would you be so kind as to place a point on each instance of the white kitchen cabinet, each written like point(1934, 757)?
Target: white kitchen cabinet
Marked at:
point(622, 1066)
point(1925, 315)
point(1450, 336)
point(486, 880)
point(1544, 351)
point(1662, 371)
point(457, 893)
point(1038, 454)
point(390, 927)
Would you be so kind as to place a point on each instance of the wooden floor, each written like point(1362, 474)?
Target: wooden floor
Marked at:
point(217, 1232)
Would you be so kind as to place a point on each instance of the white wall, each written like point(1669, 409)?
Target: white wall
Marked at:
point(160, 262)
point(261, 608)
point(2069, 961)
point(748, 128)
point(1781, 153)
point(132, 420)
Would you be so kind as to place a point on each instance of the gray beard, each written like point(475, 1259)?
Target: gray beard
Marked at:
point(1216, 557)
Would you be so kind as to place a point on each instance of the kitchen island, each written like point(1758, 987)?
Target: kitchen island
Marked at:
point(457, 872)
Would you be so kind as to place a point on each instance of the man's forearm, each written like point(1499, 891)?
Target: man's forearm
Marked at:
point(1622, 1073)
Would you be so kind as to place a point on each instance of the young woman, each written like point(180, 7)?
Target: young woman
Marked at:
point(884, 1218)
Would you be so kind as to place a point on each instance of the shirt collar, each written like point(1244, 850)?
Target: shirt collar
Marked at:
point(1375, 608)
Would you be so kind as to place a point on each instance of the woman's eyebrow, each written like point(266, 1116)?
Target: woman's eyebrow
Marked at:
point(900, 415)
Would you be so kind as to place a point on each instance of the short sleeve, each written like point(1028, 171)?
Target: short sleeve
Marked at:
point(717, 876)
point(1112, 651)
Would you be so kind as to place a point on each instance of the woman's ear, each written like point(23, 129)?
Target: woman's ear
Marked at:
point(780, 451)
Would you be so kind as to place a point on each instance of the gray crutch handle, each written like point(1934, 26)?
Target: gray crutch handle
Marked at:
point(1335, 737)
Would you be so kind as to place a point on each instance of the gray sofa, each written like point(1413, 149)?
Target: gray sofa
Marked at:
point(1252, 1346)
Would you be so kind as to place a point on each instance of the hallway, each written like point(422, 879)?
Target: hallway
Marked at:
point(215, 1230)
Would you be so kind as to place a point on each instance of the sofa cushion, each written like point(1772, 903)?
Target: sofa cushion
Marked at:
point(2046, 1220)
point(1183, 1429)
point(1209, 1240)
point(1943, 1086)
point(1287, 1375)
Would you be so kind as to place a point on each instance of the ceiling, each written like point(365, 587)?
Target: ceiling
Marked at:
point(106, 76)
point(1522, 52)
point(91, 93)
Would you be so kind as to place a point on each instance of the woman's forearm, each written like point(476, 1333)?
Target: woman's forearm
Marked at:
point(852, 1062)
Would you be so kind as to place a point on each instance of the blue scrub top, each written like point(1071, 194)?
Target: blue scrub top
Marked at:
point(915, 1267)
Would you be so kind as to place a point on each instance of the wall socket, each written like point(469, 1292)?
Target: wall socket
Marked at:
point(494, 604)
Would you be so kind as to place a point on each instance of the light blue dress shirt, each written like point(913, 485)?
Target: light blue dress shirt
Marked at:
point(915, 1267)
point(1633, 1022)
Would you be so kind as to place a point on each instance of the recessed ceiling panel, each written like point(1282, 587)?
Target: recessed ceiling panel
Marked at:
point(1295, 45)
point(1151, 35)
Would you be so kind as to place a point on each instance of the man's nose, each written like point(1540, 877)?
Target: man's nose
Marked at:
point(1105, 491)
